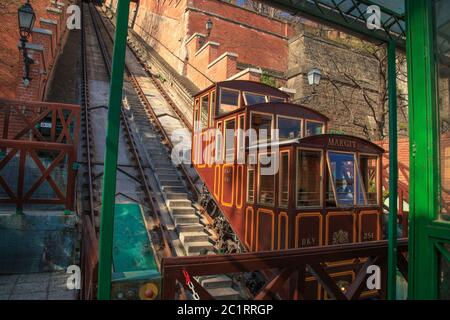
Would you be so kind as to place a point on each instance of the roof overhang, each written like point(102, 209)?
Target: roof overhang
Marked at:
point(351, 16)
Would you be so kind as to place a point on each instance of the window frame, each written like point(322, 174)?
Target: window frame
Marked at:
point(256, 94)
point(271, 127)
point(378, 182)
point(225, 121)
point(292, 118)
point(355, 172)
point(254, 169)
point(200, 109)
point(280, 176)
point(313, 121)
point(219, 98)
point(258, 201)
point(321, 205)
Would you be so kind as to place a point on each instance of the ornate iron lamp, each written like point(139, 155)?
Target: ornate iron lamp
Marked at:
point(27, 18)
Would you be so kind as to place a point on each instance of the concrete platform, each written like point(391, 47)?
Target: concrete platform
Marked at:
point(36, 286)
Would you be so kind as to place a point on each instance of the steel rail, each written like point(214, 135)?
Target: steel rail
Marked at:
point(166, 244)
point(153, 115)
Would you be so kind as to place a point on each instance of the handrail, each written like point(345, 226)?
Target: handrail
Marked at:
point(312, 260)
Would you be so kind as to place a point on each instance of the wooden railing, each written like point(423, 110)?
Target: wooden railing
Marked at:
point(402, 191)
point(38, 144)
point(293, 267)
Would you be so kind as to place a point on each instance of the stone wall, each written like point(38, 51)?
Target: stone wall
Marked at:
point(352, 87)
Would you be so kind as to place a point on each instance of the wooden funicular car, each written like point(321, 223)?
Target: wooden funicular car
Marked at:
point(293, 185)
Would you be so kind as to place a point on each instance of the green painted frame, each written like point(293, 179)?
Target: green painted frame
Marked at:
point(425, 230)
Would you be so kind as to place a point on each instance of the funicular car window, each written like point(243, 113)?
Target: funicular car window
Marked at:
point(266, 180)
point(196, 111)
point(262, 126)
point(251, 183)
point(284, 180)
point(289, 128)
point(241, 140)
point(204, 111)
point(368, 171)
point(253, 98)
point(219, 138)
point(229, 101)
point(230, 127)
point(343, 181)
point(313, 128)
point(276, 99)
point(309, 177)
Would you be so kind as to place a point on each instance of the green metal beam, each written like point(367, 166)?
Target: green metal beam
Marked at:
point(424, 173)
point(328, 12)
point(393, 172)
point(111, 153)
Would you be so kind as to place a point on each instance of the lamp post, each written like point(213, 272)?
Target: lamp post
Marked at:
point(26, 18)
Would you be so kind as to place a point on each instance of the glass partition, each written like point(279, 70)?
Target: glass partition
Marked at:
point(266, 183)
point(262, 124)
point(342, 173)
point(289, 128)
point(276, 99)
point(442, 57)
point(253, 98)
point(369, 175)
point(230, 127)
point(229, 101)
point(283, 192)
point(314, 128)
point(204, 111)
point(309, 178)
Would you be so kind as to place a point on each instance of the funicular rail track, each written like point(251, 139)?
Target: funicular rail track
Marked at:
point(192, 235)
point(148, 107)
point(92, 201)
point(190, 176)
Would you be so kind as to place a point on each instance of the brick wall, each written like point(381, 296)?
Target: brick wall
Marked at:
point(168, 26)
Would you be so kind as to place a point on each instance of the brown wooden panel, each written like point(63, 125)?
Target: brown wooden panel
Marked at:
point(265, 225)
point(340, 228)
point(308, 229)
point(369, 226)
point(227, 192)
point(249, 215)
point(283, 231)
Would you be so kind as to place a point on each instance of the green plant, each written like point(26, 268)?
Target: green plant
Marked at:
point(266, 78)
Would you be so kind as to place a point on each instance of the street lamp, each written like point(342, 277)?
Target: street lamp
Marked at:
point(314, 77)
point(27, 18)
point(209, 26)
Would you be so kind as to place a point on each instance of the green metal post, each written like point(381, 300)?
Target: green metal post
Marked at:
point(111, 153)
point(393, 173)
